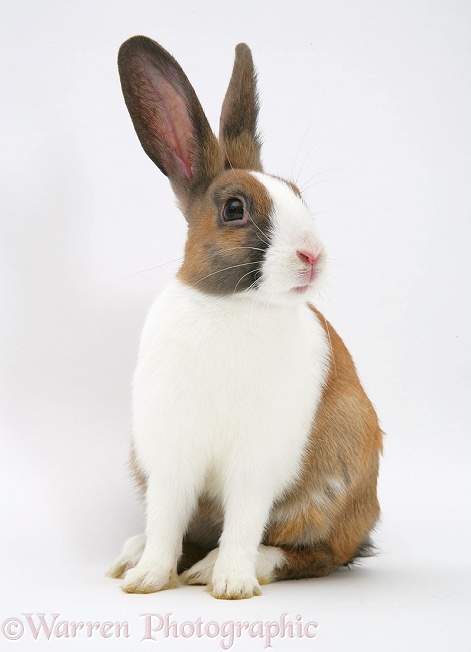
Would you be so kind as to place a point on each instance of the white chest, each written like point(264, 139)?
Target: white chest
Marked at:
point(227, 381)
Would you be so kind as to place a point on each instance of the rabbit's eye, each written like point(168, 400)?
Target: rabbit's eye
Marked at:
point(233, 210)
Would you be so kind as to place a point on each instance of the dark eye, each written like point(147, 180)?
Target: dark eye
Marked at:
point(233, 210)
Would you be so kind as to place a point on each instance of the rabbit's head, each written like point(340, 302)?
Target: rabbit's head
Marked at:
point(249, 233)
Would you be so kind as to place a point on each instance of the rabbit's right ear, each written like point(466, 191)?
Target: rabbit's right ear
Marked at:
point(168, 118)
point(238, 134)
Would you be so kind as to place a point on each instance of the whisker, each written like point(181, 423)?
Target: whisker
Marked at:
point(306, 188)
point(246, 274)
point(299, 149)
point(262, 240)
point(225, 269)
point(259, 229)
point(253, 248)
point(325, 296)
point(251, 286)
point(311, 150)
point(318, 174)
point(149, 269)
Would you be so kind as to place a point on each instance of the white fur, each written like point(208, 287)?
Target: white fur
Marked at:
point(292, 230)
point(336, 486)
point(225, 393)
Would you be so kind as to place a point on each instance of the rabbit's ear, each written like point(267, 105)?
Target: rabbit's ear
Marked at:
point(238, 127)
point(168, 118)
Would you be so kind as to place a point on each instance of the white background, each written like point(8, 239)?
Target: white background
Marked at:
point(366, 103)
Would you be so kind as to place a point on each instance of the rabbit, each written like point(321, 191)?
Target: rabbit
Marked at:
point(254, 443)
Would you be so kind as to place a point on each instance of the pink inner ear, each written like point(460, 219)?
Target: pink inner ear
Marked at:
point(174, 123)
point(176, 128)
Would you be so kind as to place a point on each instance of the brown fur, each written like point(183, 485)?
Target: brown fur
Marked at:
point(238, 126)
point(240, 152)
point(213, 247)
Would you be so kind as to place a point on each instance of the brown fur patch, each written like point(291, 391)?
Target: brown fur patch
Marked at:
point(292, 530)
point(223, 258)
point(238, 125)
point(242, 153)
point(314, 561)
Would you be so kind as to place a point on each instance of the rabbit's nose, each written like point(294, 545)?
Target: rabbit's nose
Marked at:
point(308, 257)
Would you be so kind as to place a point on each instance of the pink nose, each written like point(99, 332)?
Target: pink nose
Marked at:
point(307, 257)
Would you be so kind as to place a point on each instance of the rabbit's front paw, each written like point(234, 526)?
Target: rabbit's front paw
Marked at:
point(234, 588)
point(144, 579)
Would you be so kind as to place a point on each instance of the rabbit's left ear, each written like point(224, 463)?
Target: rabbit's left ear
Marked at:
point(238, 135)
point(168, 118)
